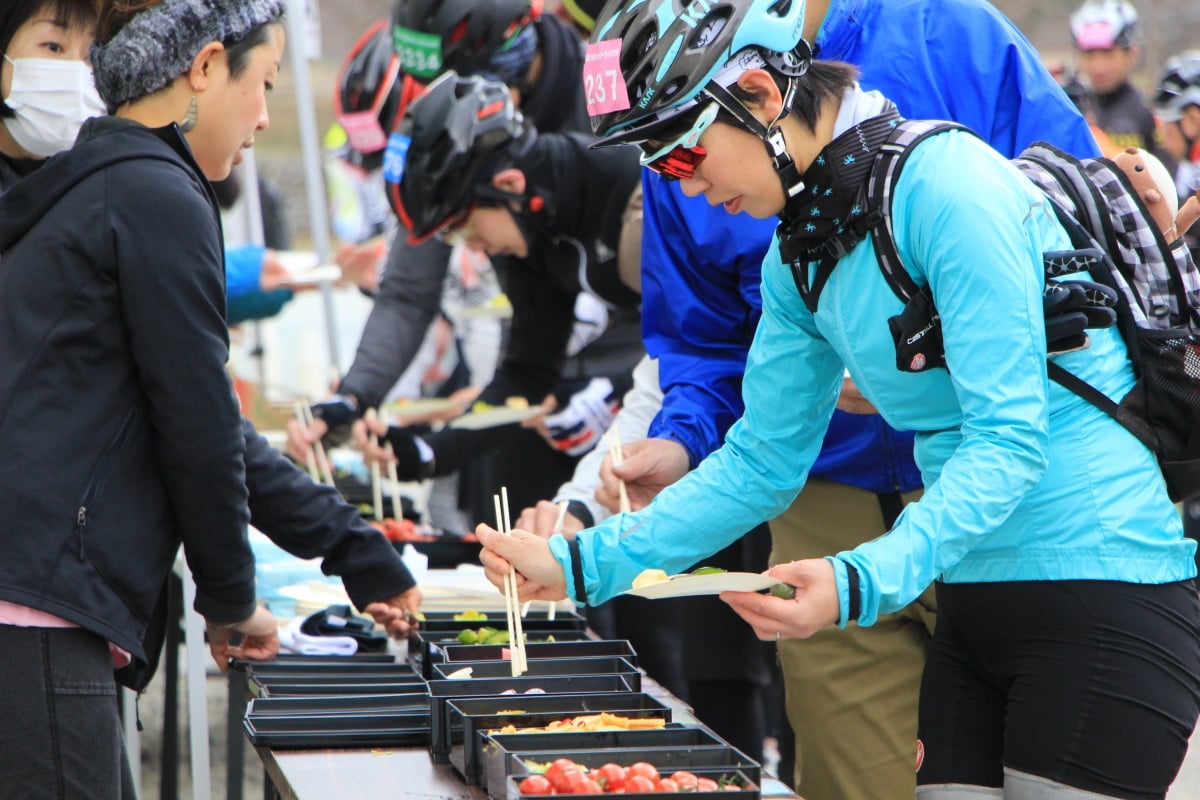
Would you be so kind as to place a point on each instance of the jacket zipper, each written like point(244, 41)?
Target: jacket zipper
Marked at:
point(98, 475)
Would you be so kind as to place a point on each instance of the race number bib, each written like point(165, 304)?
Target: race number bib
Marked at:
point(363, 131)
point(604, 85)
point(420, 53)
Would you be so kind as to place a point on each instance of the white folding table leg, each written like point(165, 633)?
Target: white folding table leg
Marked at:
point(197, 687)
point(133, 743)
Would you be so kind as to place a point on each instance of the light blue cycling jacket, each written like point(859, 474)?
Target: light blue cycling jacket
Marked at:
point(1024, 479)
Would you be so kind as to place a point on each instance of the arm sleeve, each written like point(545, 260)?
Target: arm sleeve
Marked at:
point(310, 520)
point(173, 304)
point(753, 477)
point(405, 305)
point(243, 270)
point(255, 305)
point(700, 306)
point(980, 252)
point(543, 313)
point(632, 422)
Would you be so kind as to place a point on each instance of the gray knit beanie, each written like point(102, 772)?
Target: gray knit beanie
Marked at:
point(159, 44)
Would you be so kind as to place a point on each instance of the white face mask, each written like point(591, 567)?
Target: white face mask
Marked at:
point(51, 99)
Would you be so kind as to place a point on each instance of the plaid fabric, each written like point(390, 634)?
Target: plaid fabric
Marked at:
point(1160, 281)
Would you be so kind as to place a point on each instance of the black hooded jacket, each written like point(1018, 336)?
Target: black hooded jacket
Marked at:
point(118, 421)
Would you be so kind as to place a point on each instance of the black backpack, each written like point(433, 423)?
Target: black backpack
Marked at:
point(1156, 284)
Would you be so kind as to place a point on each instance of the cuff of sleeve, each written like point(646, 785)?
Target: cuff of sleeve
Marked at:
point(223, 613)
point(566, 553)
point(843, 589)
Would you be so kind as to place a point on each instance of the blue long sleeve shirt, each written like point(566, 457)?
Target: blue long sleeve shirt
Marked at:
point(936, 59)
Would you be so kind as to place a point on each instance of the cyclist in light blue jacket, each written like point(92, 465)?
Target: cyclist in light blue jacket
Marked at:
point(1067, 653)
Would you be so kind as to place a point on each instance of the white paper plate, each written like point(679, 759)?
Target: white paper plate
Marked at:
point(419, 407)
point(325, 273)
point(494, 417)
point(297, 261)
point(687, 585)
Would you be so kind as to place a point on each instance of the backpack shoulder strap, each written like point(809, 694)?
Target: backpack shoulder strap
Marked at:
point(881, 187)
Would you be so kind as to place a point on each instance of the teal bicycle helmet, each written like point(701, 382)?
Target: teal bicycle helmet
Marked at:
point(670, 50)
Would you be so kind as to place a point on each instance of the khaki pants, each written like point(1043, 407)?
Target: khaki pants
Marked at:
point(851, 694)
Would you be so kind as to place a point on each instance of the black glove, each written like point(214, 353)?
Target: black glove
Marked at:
point(1071, 307)
point(414, 456)
point(338, 413)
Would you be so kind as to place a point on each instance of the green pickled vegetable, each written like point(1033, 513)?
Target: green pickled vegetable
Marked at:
point(708, 571)
point(784, 591)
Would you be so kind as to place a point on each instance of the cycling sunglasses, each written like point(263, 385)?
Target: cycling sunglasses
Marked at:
point(678, 158)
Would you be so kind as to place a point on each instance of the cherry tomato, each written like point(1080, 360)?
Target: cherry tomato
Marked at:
point(639, 784)
point(611, 776)
point(646, 770)
point(666, 785)
point(589, 786)
point(685, 780)
point(706, 785)
point(535, 784)
point(556, 769)
point(569, 781)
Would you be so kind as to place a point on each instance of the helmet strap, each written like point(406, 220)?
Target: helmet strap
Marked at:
point(532, 212)
point(772, 136)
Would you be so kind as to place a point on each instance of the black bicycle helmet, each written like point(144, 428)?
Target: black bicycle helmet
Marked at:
point(368, 100)
point(671, 49)
point(445, 150)
point(1179, 86)
point(432, 36)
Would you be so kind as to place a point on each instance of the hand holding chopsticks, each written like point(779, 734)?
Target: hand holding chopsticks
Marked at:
point(516, 632)
point(314, 456)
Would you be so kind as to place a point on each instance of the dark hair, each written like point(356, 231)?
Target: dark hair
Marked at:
point(15, 13)
point(824, 80)
point(117, 14)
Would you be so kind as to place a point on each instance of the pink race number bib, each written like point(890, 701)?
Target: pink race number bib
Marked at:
point(363, 131)
point(604, 85)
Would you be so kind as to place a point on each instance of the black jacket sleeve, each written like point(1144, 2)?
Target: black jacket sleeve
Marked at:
point(173, 306)
point(408, 299)
point(309, 520)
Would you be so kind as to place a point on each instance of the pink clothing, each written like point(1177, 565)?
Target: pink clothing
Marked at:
point(26, 617)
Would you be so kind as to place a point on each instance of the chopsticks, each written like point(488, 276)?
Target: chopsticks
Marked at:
point(393, 478)
point(516, 631)
point(304, 415)
point(614, 452)
point(558, 528)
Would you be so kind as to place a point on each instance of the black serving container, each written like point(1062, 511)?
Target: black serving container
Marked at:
point(667, 758)
point(398, 673)
point(380, 725)
point(426, 648)
point(545, 667)
point(444, 621)
point(442, 692)
point(287, 659)
point(587, 648)
point(479, 716)
point(751, 792)
point(333, 683)
point(496, 748)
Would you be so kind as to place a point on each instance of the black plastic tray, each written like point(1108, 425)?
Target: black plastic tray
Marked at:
point(513, 792)
point(396, 673)
point(442, 691)
point(290, 731)
point(544, 667)
point(312, 685)
point(444, 621)
point(591, 648)
point(241, 664)
point(668, 758)
point(426, 648)
point(496, 748)
point(342, 704)
point(479, 716)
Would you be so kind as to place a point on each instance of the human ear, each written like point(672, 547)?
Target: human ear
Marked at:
point(199, 73)
point(510, 180)
point(768, 102)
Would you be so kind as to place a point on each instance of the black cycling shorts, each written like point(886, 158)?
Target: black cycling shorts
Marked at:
point(1092, 684)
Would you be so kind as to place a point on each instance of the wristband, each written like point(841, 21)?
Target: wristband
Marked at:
point(577, 570)
point(579, 510)
point(855, 606)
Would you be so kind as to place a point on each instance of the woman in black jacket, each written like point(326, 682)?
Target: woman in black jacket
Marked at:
point(117, 416)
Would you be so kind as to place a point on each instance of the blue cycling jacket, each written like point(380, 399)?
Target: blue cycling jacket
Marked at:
point(959, 60)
